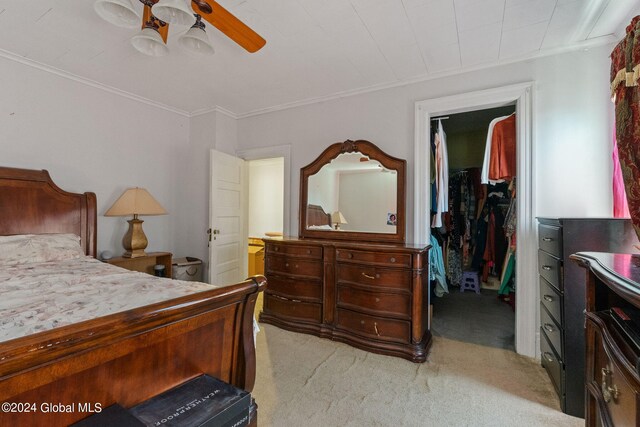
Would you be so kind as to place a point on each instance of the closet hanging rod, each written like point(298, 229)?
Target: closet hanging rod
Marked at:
point(440, 118)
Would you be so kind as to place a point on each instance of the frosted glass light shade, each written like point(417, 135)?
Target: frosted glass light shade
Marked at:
point(118, 12)
point(174, 12)
point(195, 40)
point(149, 42)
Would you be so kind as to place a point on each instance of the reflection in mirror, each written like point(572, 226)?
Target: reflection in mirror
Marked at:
point(353, 193)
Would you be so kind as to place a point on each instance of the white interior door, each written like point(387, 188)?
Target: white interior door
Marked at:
point(227, 211)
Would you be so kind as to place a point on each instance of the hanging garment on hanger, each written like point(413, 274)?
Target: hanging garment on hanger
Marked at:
point(436, 268)
point(502, 164)
point(442, 177)
point(484, 176)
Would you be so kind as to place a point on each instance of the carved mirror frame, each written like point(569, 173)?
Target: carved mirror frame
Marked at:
point(373, 152)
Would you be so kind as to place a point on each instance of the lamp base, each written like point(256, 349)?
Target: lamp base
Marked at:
point(134, 241)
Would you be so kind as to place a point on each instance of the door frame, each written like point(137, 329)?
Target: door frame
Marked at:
point(527, 336)
point(269, 153)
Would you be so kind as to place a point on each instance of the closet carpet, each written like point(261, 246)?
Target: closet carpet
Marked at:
point(306, 381)
point(479, 319)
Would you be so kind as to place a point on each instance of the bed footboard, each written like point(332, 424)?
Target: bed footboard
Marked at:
point(60, 376)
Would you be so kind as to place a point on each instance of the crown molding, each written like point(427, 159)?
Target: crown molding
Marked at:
point(216, 109)
point(88, 82)
point(587, 44)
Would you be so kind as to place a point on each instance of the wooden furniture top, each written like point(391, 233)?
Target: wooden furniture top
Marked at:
point(30, 203)
point(620, 272)
point(373, 152)
point(410, 247)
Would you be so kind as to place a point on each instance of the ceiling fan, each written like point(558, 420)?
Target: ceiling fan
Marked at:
point(158, 14)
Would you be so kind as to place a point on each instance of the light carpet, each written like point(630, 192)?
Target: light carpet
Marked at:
point(303, 380)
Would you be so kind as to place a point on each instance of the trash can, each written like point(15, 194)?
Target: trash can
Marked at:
point(187, 268)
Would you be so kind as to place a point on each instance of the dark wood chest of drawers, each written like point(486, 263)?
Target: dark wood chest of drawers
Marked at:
point(563, 296)
point(612, 379)
point(372, 296)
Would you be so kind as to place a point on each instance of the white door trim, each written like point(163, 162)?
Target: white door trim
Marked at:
point(268, 153)
point(526, 328)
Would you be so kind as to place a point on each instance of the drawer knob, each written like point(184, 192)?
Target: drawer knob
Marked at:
point(548, 356)
point(368, 276)
point(286, 264)
point(309, 251)
point(349, 255)
point(548, 298)
point(392, 259)
point(549, 327)
point(546, 267)
point(362, 322)
point(276, 249)
point(609, 392)
point(377, 299)
point(547, 239)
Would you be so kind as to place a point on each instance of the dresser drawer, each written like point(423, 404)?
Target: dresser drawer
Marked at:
point(374, 327)
point(297, 266)
point(552, 364)
point(375, 303)
point(551, 269)
point(391, 259)
point(292, 308)
point(295, 288)
point(550, 239)
point(619, 396)
point(373, 276)
point(552, 330)
point(302, 251)
point(551, 300)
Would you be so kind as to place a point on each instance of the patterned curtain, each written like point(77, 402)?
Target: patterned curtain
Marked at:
point(625, 72)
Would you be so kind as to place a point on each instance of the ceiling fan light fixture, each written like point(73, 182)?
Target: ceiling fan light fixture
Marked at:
point(149, 41)
point(195, 40)
point(174, 12)
point(118, 12)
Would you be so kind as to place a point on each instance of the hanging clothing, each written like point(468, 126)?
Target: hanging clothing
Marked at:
point(502, 165)
point(436, 268)
point(484, 176)
point(507, 273)
point(442, 176)
point(625, 72)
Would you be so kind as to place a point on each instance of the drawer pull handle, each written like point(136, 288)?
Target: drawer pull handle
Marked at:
point(548, 298)
point(547, 239)
point(392, 259)
point(609, 392)
point(375, 326)
point(368, 276)
point(377, 299)
point(282, 298)
point(548, 327)
point(546, 267)
point(548, 356)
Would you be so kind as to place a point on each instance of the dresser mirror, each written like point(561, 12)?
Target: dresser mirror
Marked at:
point(353, 190)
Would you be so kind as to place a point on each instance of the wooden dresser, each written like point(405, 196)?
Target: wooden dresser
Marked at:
point(562, 296)
point(612, 379)
point(370, 295)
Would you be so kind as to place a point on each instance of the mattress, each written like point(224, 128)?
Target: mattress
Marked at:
point(41, 296)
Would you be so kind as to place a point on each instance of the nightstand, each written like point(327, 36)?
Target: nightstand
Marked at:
point(145, 263)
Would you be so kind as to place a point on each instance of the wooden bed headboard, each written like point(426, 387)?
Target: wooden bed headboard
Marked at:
point(30, 203)
point(317, 216)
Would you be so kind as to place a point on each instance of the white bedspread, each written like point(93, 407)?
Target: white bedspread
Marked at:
point(37, 297)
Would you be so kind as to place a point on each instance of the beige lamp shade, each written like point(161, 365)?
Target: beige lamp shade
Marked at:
point(135, 201)
point(337, 218)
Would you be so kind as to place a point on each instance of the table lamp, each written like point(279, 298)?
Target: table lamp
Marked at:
point(135, 201)
point(337, 218)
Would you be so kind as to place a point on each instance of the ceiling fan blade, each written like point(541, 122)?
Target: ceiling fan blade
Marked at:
point(231, 26)
point(163, 30)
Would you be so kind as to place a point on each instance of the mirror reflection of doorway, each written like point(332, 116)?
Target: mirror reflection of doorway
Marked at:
point(265, 210)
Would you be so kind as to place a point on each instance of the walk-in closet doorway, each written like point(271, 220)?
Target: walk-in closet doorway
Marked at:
point(526, 319)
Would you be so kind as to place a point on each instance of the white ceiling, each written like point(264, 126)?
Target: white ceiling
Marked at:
point(315, 48)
